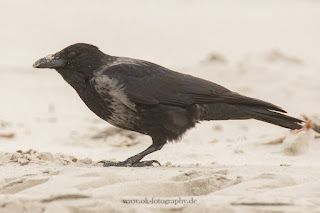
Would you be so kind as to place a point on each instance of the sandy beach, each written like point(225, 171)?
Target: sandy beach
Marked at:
point(51, 142)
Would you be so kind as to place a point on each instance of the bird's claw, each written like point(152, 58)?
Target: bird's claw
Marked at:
point(129, 164)
point(145, 163)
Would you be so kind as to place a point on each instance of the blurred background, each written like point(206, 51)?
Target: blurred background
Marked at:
point(50, 141)
point(265, 49)
point(173, 33)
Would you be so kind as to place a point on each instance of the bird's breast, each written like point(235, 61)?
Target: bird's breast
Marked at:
point(106, 98)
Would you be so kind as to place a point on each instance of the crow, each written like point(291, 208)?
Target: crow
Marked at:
point(144, 97)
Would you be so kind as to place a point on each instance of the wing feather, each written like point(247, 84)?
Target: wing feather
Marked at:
point(148, 83)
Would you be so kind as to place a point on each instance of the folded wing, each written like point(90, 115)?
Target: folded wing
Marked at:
point(148, 83)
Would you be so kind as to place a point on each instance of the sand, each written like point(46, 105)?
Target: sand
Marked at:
point(51, 143)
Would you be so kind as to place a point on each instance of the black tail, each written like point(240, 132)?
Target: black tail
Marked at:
point(247, 111)
point(273, 117)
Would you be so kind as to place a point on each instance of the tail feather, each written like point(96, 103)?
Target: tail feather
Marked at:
point(274, 118)
point(220, 111)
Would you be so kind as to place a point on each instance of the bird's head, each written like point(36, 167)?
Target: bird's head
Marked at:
point(79, 57)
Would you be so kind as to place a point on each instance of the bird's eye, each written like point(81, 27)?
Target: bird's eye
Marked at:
point(71, 55)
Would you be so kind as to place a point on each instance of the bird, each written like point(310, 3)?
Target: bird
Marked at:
point(144, 97)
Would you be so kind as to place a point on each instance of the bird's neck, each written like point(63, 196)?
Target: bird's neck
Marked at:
point(76, 79)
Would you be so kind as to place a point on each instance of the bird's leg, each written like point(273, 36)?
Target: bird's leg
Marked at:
point(134, 161)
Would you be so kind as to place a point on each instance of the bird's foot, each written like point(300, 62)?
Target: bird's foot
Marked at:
point(128, 163)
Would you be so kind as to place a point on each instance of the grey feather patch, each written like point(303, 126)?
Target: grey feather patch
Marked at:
point(119, 61)
point(105, 84)
point(123, 110)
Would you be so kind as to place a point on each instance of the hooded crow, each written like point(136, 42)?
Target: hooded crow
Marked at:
point(150, 99)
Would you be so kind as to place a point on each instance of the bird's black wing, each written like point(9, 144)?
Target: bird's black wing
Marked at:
point(148, 83)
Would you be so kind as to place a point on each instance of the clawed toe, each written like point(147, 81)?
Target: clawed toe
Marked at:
point(145, 163)
point(129, 164)
point(110, 163)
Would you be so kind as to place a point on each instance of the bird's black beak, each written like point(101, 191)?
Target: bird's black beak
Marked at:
point(50, 61)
